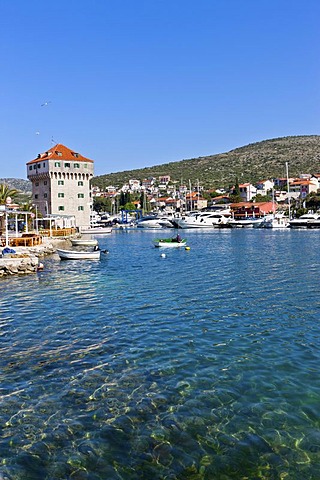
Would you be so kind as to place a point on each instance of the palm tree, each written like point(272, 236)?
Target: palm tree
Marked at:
point(6, 192)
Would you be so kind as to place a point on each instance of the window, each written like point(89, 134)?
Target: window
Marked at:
point(85, 165)
point(67, 164)
point(80, 208)
point(37, 184)
point(60, 182)
point(38, 165)
point(80, 195)
point(57, 164)
point(30, 167)
point(76, 165)
point(61, 207)
point(60, 195)
point(80, 183)
point(34, 167)
point(44, 165)
point(45, 195)
point(36, 196)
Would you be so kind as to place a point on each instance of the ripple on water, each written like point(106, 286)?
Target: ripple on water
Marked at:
point(204, 365)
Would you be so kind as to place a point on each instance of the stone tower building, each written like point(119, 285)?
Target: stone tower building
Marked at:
point(61, 183)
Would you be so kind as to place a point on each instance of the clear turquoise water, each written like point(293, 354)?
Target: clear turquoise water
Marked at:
point(200, 365)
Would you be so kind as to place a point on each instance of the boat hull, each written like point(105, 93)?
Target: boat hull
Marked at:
point(168, 243)
point(84, 242)
point(75, 255)
point(97, 230)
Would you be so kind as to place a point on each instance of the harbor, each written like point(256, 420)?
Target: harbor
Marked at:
point(198, 364)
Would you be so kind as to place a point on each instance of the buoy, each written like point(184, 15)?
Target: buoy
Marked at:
point(187, 248)
point(40, 266)
point(163, 255)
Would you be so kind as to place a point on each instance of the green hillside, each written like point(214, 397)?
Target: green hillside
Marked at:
point(253, 162)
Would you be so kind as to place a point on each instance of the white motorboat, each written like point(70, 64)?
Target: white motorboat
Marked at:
point(308, 220)
point(275, 221)
point(205, 219)
point(94, 230)
point(88, 242)
point(78, 255)
point(154, 222)
point(248, 222)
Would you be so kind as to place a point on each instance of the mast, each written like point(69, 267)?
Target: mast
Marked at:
point(288, 189)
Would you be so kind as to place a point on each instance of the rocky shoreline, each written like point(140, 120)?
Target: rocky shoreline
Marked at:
point(25, 260)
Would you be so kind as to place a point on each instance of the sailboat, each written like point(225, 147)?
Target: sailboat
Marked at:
point(276, 219)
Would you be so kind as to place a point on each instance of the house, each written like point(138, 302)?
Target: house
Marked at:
point(134, 185)
point(247, 191)
point(61, 184)
point(249, 209)
point(302, 187)
point(195, 202)
point(164, 179)
point(264, 187)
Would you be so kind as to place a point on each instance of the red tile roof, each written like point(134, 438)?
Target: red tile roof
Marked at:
point(60, 152)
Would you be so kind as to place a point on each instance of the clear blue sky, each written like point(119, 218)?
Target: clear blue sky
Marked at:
point(135, 83)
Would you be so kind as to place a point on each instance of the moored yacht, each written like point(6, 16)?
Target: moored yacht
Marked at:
point(308, 220)
point(205, 219)
point(247, 222)
point(154, 221)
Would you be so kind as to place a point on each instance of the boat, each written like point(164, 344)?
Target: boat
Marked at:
point(154, 221)
point(308, 220)
point(205, 219)
point(247, 222)
point(96, 230)
point(78, 242)
point(170, 242)
point(278, 220)
point(78, 255)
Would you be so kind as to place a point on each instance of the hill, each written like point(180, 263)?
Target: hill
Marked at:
point(253, 162)
point(23, 186)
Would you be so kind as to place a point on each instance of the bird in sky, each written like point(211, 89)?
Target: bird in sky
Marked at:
point(45, 104)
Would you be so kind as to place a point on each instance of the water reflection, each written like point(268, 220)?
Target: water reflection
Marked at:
point(201, 365)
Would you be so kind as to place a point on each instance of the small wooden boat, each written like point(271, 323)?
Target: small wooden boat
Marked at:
point(96, 230)
point(78, 255)
point(89, 242)
point(170, 242)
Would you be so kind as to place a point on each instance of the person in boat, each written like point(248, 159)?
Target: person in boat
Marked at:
point(178, 239)
point(96, 248)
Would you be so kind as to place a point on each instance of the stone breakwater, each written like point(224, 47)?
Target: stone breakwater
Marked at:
point(25, 260)
point(13, 264)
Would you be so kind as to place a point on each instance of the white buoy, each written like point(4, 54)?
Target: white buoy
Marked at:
point(163, 255)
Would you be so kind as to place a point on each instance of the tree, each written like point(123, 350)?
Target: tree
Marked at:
point(235, 197)
point(313, 201)
point(102, 204)
point(262, 198)
point(6, 192)
point(129, 206)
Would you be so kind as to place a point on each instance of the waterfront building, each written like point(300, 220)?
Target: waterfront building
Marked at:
point(61, 184)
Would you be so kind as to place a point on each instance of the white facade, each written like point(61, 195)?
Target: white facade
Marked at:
point(247, 192)
point(61, 184)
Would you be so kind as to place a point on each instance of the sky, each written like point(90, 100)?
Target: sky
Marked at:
point(137, 83)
